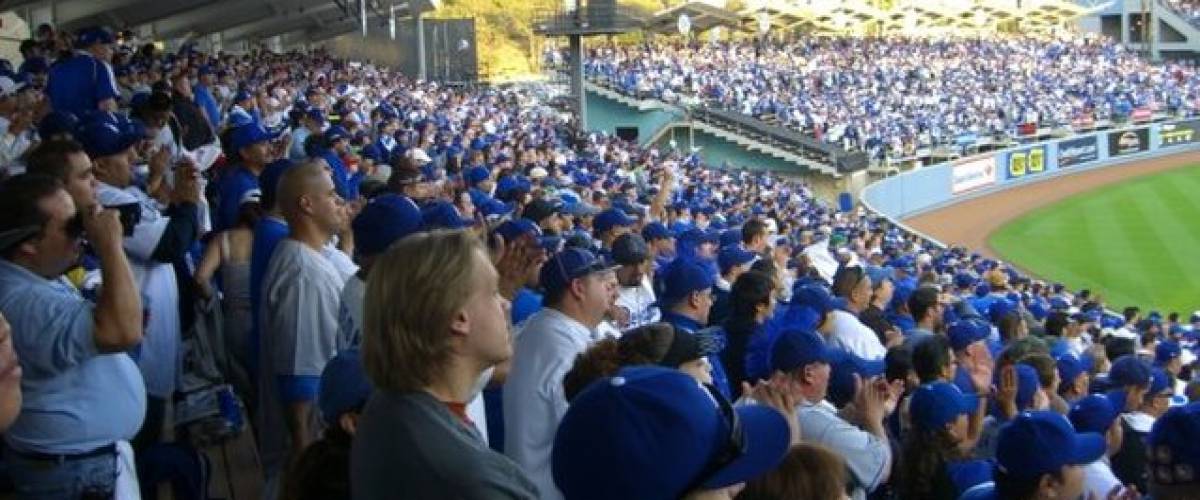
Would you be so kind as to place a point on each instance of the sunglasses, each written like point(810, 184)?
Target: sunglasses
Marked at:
point(735, 443)
point(16, 236)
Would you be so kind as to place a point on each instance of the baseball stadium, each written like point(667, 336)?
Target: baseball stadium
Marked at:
point(600, 249)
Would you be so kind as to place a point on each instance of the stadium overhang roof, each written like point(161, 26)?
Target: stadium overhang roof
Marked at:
point(235, 20)
point(703, 17)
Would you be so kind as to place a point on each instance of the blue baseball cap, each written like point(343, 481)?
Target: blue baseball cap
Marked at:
point(999, 309)
point(512, 230)
point(315, 114)
point(1173, 447)
point(879, 274)
point(336, 133)
point(1094, 413)
point(57, 122)
point(443, 215)
point(102, 137)
point(1043, 442)
point(628, 424)
point(964, 332)
point(815, 296)
point(936, 404)
point(964, 280)
point(1027, 384)
point(384, 220)
point(249, 134)
point(656, 231)
point(1128, 370)
point(734, 255)
point(492, 207)
point(1069, 368)
point(344, 386)
point(568, 265)
point(843, 366)
point(730, 237)
point(699, 236)
point(476, 174)
point(268, 180)
point(242, 95)
point(90, 36)
point(608, 219)
point(1160, 382)
point(680, 278)
point(796, 348)
point(1165, 351)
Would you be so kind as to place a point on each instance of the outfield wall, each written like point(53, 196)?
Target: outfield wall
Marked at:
point(929, 188)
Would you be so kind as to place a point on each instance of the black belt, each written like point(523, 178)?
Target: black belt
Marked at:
point(110, 449)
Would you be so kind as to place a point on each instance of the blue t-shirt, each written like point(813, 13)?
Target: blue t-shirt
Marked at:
point(76, 399)
point(78, 84)
point(524, 304)
point(205, 100)
point(267, 235)
point(346, 184)
point(966, 474)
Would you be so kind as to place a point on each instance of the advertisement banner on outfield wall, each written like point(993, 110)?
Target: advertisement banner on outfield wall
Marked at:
point(1024, 162)
point(972, 174)
point(1179, 134)
point(1078, 151)
point(1127, 142)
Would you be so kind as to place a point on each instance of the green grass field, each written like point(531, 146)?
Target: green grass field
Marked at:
point(1136, 242)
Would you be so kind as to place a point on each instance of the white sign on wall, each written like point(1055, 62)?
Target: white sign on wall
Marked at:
point(972, 174)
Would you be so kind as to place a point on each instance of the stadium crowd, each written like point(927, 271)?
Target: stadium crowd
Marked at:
point(1189, 9)
point(893, 95)
point(406, 290)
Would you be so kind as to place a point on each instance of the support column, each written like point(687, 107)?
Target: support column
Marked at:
point(577, 89)
point(420, 18)
point(36, 16)
point(1124, 22)
point(1155, 56)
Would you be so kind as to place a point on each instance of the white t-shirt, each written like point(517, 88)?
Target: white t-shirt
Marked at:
point(639, 301)
point(350, 313)
point(1098, 479)
point(158, 353)
point(851, 335)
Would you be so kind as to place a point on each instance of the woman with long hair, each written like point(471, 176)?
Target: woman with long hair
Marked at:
point(936, 463)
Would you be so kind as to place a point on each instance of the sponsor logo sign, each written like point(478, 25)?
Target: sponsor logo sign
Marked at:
point(1179, 134)
point(972, 174)
point(1026, 162)
point(1078, 151)
point(1126, 142)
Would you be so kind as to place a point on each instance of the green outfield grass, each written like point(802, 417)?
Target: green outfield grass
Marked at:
point(1137, 242)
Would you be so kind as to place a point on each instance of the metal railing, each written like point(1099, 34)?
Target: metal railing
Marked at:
point(591, 19)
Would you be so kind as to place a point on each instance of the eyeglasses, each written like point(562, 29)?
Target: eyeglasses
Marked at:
point(735, 443)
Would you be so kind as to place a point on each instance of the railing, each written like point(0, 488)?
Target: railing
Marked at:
point(591, 19)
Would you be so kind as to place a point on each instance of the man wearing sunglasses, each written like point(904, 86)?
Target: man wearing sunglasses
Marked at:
point(72, 351)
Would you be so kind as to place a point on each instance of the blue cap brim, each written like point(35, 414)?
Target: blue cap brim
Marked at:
point(1089, 447)
point(871, 368)
point(767, 438)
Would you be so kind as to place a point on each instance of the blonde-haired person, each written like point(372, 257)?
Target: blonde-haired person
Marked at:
point(434, 322)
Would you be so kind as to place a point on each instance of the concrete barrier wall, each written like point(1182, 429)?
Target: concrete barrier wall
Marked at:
point(929, 188)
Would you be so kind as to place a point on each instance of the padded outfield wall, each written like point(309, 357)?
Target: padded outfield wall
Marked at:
point(929, 188)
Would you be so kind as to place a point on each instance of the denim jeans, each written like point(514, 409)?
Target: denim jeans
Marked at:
point(88, 478)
